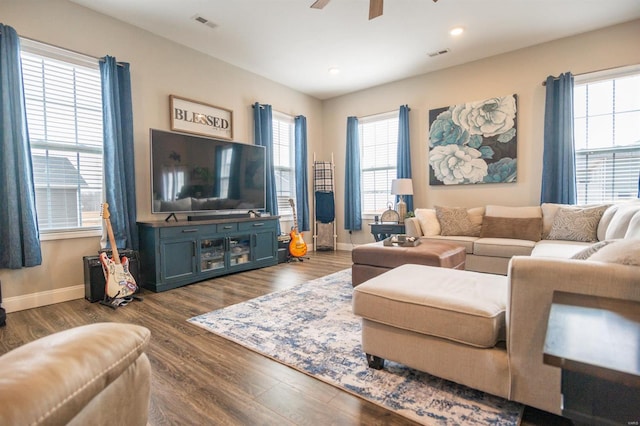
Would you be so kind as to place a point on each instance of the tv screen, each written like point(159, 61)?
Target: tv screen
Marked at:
point(195, 174)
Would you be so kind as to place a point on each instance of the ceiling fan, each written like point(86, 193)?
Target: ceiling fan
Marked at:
point(375, 7)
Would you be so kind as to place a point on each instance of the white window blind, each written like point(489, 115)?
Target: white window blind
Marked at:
point(64, 118)
point(283, 162)
point(607, 135)
point(378, 153)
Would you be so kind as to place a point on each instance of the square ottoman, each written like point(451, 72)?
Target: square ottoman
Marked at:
point(371, 260)
point(445, 322)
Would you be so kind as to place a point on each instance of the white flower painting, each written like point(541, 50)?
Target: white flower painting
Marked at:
point(475, 142)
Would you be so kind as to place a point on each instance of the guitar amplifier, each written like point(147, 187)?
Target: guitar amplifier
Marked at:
point(94, 281)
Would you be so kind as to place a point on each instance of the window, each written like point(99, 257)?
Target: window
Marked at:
point(64, 118)
point(378, 153)
point(284, 162)
point(607, 135)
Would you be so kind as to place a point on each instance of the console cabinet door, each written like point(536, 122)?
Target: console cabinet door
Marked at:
point(264, 243)
point(212, 254)
point(239, 248)
point(266, 246)
point(178, 259)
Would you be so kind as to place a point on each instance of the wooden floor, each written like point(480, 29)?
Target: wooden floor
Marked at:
point(200, 378)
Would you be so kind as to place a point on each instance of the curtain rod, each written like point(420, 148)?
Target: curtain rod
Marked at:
point(544, 83)
point(70, 50)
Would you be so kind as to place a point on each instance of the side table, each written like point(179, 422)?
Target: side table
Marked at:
point(382, 230)
point(594, 340)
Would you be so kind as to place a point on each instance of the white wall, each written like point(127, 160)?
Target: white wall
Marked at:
point(521, 72)
point(158, 68)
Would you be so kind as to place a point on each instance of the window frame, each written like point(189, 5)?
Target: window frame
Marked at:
point(284, 209)
point(67, 58)
point(391, 168)
point(605, 156)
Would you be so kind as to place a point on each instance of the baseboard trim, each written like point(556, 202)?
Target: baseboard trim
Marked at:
point(43, 298)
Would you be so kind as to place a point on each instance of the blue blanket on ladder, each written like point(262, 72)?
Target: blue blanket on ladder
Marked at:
point(325, 207)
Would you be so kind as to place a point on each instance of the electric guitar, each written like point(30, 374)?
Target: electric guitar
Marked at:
point(297, 246)
point(119, 281)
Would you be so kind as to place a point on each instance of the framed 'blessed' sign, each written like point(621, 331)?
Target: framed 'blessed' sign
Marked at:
point(201, 119)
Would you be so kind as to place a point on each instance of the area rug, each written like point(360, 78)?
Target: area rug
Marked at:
point(311, 327)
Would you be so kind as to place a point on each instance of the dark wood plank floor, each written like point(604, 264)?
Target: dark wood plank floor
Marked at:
point(200, 378)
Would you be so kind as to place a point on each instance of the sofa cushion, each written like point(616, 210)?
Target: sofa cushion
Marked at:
point(633, 231)
point(428, 221)
point(625, 252)
point(512, 227)
point(558, 248)
point(476, 214)
point(514, 212)
point(576, 224)
point(620, 217)
point(502, 247)
point(466, 307)
point(549, 211)
point(456, 221)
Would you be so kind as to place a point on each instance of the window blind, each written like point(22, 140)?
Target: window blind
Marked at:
point(283, 159)
point(607, 135)
point(379, 151)
point(64, 117)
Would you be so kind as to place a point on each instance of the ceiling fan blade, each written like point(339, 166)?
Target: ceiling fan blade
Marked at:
point(319, 4)
point(375, 8)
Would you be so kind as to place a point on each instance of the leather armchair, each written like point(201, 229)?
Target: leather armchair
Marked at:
point(96, 374)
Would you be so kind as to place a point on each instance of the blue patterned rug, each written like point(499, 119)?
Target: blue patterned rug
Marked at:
point(311, 328)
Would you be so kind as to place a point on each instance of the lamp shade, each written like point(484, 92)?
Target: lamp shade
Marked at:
point(402, 187)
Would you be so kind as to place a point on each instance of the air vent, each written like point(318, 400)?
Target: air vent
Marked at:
point(204, 21)
point(438, 53)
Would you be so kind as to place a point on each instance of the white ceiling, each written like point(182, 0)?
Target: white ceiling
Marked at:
point(290, 43)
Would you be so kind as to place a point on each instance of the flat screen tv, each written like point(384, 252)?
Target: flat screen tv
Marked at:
point(192, 174)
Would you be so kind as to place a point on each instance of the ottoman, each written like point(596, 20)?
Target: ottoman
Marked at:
point(445, 322)
point(371, 260)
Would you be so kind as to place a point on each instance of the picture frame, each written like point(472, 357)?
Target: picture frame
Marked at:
point(199, 118)
point(474, 142)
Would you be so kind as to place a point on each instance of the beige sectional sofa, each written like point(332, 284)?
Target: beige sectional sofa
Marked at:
point(487, 331)
point(491, 254)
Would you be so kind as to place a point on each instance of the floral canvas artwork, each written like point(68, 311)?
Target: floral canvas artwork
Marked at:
point(475, 142)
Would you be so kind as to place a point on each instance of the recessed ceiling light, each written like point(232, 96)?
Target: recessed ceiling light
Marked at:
point(456, 31)
point(334, 70)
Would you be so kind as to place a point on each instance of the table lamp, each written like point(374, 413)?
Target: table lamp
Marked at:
point(402, 187)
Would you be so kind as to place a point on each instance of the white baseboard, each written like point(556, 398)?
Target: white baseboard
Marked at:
point(43, 298)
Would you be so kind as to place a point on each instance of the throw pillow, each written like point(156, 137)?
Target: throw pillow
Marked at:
point(428, 222)
point(587, 252)
point(519, 228)
point(576, 224)
point(625, 252)
point(456, 221)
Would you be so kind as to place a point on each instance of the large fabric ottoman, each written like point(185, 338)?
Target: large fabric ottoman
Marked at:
point(441, 321)
point(371, 260)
